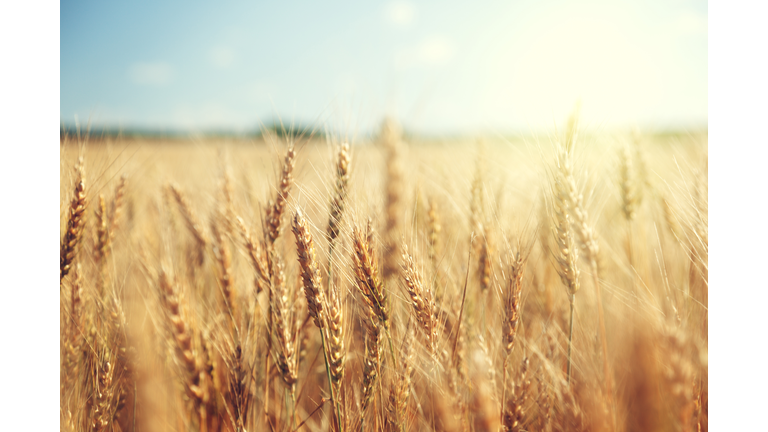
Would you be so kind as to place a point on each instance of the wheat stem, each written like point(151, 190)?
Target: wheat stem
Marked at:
point(572, 300)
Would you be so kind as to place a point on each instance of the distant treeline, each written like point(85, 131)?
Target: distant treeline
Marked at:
point(279, 130)
point(96, 133)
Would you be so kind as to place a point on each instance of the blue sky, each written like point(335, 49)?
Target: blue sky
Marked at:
point(439, 67)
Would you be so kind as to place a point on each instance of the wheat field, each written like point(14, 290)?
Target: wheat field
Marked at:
point(285, 283)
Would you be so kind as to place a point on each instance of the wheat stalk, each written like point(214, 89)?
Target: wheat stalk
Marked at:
point(391, 136)
point(192, 222)
point(312, 282)
point(629, 197)
point(566, 256)
point(335, 310)
point(486, 412)
point(587, 238)
point(398, 394)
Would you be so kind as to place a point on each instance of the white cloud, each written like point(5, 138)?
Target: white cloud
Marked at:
point(151, 74)
point(222, 57)
point(400, 13)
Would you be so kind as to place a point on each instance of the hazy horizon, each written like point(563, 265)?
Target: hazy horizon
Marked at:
point(439, 68)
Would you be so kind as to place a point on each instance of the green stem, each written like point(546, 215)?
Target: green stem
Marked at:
point(392, 349)
point(330, 382)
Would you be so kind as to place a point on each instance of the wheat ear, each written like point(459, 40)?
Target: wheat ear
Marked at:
point(282, 328)
point(514, 413)
point(74, 332)
point(336, 336)
point(421, 299)
point(367, 276)
point(192, 222)
point(224, 266)
point(629, 198)
point(372, 359)
point(339, 194)
point(310, 273)
point(75, 223)
point(511, 312)
point(255, 255)
point(277, 206)
point(376, 314)
point(512, 301)
point(102, 236)
point(485, 260)
point(104, 404)
point(116, 207)
point(194, 377)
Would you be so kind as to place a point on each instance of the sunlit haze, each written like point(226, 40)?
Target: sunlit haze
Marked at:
point(439, 67)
